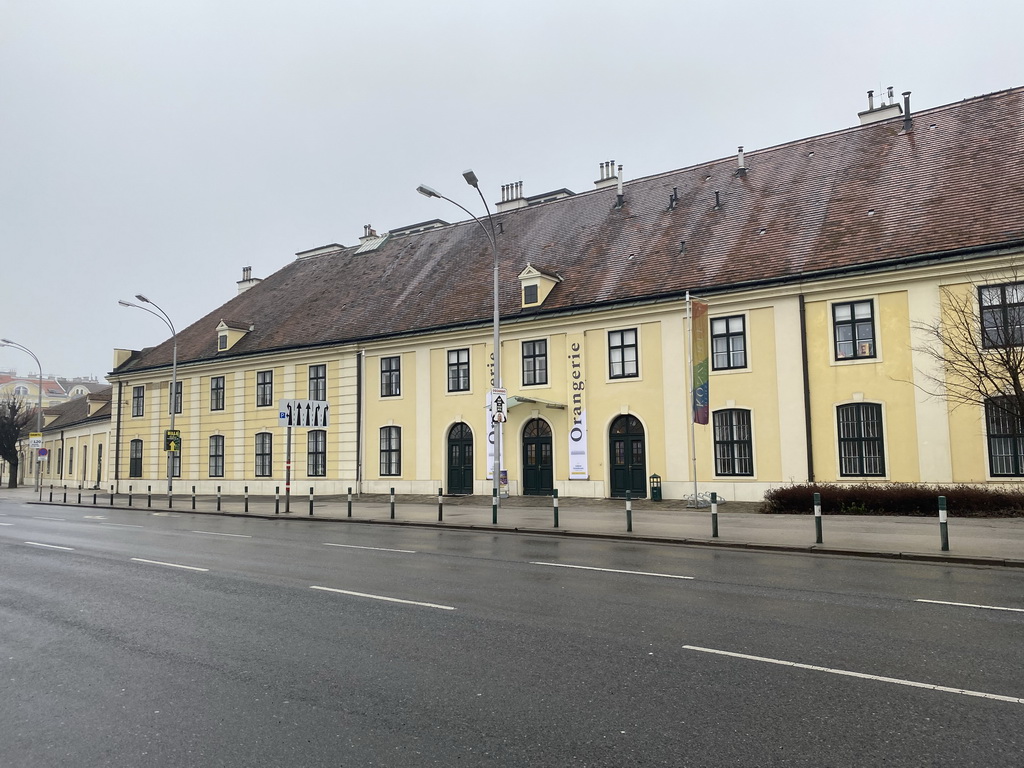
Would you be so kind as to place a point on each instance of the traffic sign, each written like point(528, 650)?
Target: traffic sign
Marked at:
point(499, 400)
point(43, 453)
point(303, 413)
point(35, 440)
point(172, 440)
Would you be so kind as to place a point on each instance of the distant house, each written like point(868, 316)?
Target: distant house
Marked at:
point(76, 436)
point(816, 259)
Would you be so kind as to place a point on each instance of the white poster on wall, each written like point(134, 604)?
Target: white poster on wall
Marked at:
point(578, 460)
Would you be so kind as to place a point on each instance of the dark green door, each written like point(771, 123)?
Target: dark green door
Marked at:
point(460, 460)
point(628, 455)
point(538, 476)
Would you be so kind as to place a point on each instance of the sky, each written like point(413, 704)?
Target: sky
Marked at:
point(160, 147)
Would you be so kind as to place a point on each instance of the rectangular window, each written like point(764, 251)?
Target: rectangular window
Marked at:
point(318, 382)
point(316, 453)
point(728, 343)
point(734, 448)
point(1002, 315)
point(853, 326)
point(264, 388)
point(390, 451)
point(71, 461)
point(134, 459)
point(264, 454)
point(622, 354)
point(861, 451)
point(530, 294)
point(216, 455)
point(390, 376)
point(458, 370)
point(217, 393)
point(222, 341)
point(535, 362)
point(176, 464)
point(1005, 430)
point(138, 401)
point(177, 396)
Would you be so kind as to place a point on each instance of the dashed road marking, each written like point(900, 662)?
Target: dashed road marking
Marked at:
point(50, 546)
point(169, 565)
point(385, 598)
point(376, 549)
point(971, 605)
point(614, 570)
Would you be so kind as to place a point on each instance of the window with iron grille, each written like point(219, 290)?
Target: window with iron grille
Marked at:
point(264, 388)
point(264, 454)
point(316, 453)
point(390, 451)
point(458, 370)
point(728, 343)
point(853, 326)
point(134, 458)
point(390, 376)
point(217, 393)
point(861, 449)
point(1005, 429)
point(216, 455)
point(622, 354)
point(318, 382)
point(535, 362)
point(1002, 315)
point(138, 401)
point(734, 446)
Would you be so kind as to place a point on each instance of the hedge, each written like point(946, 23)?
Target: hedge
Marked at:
point(895, 499)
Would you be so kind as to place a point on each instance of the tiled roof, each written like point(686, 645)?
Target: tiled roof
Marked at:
point(859, 196)
point(77, 411)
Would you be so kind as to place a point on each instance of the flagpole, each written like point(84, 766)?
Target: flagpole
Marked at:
point(690, 388)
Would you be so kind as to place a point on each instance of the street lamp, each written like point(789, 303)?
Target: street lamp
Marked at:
point(174, 378)
point(472, 180)
point(39, 405)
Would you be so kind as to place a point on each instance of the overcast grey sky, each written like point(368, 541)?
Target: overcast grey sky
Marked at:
point(159, 147)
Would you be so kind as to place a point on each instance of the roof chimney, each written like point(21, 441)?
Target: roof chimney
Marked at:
point(620, 198)
point(608, 177)
point(907, 122)
point(369, 233)
point(741, 167)
point(247, 281)
point(883, 111)
point(511, 197)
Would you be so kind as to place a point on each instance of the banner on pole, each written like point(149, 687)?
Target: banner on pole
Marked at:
point(699, 340)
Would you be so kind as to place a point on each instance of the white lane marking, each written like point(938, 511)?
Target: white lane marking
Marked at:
point(123, 525)
point(971, 605)
point(376, 549)
point(60, 519)
point(13, 523)
point(387, 599)
point(169, 565)
point(861, 675)
point(214, 533)
point(49, 546)
point(614, 570)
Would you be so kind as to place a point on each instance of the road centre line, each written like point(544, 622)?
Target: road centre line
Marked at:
point(615, 570)
point(50, 546)
point(169, 565)
point(6, 523)
point(861, 675)
point(971, 605)
point(40, 517)
point(236, 535)
point(123, 525)
point(376, 549)
point(387, 599)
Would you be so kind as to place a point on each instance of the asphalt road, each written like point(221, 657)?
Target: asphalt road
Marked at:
point(171, 639)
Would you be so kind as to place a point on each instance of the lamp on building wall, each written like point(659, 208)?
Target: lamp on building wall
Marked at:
point(472, 180)
point(39, 405)
point(174, 378)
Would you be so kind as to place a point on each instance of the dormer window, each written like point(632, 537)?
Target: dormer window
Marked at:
point(537, 283)
point(230, 333)
point(222, 341)
point(530, 294)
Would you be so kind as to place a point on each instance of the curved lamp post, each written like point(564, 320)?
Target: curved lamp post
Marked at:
point(39, 405)
point(174, 377)
point(472, 180)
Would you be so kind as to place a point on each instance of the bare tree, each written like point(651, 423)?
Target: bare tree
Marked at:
point(15, 418)
point(977, 343)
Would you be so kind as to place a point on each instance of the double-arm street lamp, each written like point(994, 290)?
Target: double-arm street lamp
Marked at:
point(472, 180)
point(39, 404)
point(174, 378)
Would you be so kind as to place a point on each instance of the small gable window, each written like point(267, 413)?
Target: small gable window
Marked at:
point(222, 341)
point(530, 294)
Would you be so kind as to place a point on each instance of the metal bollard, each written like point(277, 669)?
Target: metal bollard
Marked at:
point(149, 495)
point(218, 498)
point(65, 494)
point(350, 501)
point(111, 495)
point(943, 529)
point(79, 494)
point(714, 515)
point(277, 499)
point(129, 495)
point(440, 504)
point(817, 518)
point(554, 505)
point(247, 499)
point(170, 499)
point(51, 493)
point(392, 503)
point(310, 502)
point(94, 499)
point(629, 512)
point(494, 506)
point(193, 497)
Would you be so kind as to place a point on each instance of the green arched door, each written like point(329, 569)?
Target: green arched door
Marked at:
point(627, 452)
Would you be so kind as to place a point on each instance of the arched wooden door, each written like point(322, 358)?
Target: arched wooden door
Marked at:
point(538, 474)
point(627, 451)
point(460, 460)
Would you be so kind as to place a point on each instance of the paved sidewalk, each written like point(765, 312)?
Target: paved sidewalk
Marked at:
point(990, 541)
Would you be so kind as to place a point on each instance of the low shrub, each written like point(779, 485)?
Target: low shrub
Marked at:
point(895, 499)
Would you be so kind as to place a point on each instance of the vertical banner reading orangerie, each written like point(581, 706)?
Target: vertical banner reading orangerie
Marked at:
point(578, 463)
